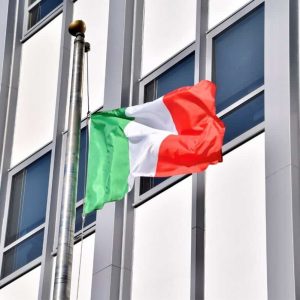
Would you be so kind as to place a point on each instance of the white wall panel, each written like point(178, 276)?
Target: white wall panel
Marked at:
point(235, 252)
point(86, 270)
point(95, 14)
point(37, 91)
point(169, 26)
point(220, 10)
point(162, 245)
point(25, 287)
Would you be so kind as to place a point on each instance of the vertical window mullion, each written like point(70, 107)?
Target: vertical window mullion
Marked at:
point(22, 199)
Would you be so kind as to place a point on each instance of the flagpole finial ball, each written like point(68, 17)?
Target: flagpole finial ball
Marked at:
point(77, 27)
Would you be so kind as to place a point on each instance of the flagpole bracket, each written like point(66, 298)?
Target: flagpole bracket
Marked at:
point(87, 47)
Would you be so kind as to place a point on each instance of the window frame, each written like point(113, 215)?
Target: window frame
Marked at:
point(28, 32)
point(171, 62)
point(11, 172)
point(210, 35)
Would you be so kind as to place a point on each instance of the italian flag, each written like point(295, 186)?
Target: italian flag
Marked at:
point(178, 133)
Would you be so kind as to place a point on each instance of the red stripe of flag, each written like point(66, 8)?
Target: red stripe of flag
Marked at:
point(200, 131)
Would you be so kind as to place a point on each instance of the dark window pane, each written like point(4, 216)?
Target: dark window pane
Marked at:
point(22, 254)
point(82, 165)
point(48, 5)
point(89, 218)
point(150, 91)
point(34, 16)
point(182, 74)
point(147, 183)
point(179, 75)
point(41, 10)
point(28, 199)
point(239, 59)
point(244, 118)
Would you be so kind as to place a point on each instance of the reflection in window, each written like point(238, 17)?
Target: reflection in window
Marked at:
point(90, 218)
point(22, 254)
point(27, 211)
point(28, 199)
point(244, 118)
point(40, 9)
point(238, 69)
point(182, 74)
point(238, 59)
point(82, 164)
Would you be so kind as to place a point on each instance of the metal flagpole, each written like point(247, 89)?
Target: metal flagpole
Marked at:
point(64, 259)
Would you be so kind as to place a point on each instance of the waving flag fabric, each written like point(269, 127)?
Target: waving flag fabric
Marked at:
point(176, 134)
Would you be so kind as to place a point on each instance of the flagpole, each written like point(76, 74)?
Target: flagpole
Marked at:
point(64, 259)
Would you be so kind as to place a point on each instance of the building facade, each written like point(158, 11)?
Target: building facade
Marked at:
point(229, 233)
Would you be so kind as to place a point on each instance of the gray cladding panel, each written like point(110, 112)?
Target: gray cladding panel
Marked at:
point(115, 54)
point(110, 220)
point(282, 149)
point(278, 101)
point(3, 27)
point(53, 205)
point(106, 289)
point(128, 231)
point(125, 292)
point(104, 253)
point(197, 264)
point(280, 254)
point(109, 241)
point(198, 192)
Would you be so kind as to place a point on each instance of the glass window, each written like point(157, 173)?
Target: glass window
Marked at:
point(90, 218)
point(238, 59)
point(28, 199)
point(27, 211)
point(238, 69)
point(40, 9)
point(182, 74)
point(23, 253)
point(82, 164)
point(244, 118)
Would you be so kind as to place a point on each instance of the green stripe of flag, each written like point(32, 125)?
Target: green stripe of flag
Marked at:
point(108, 164)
